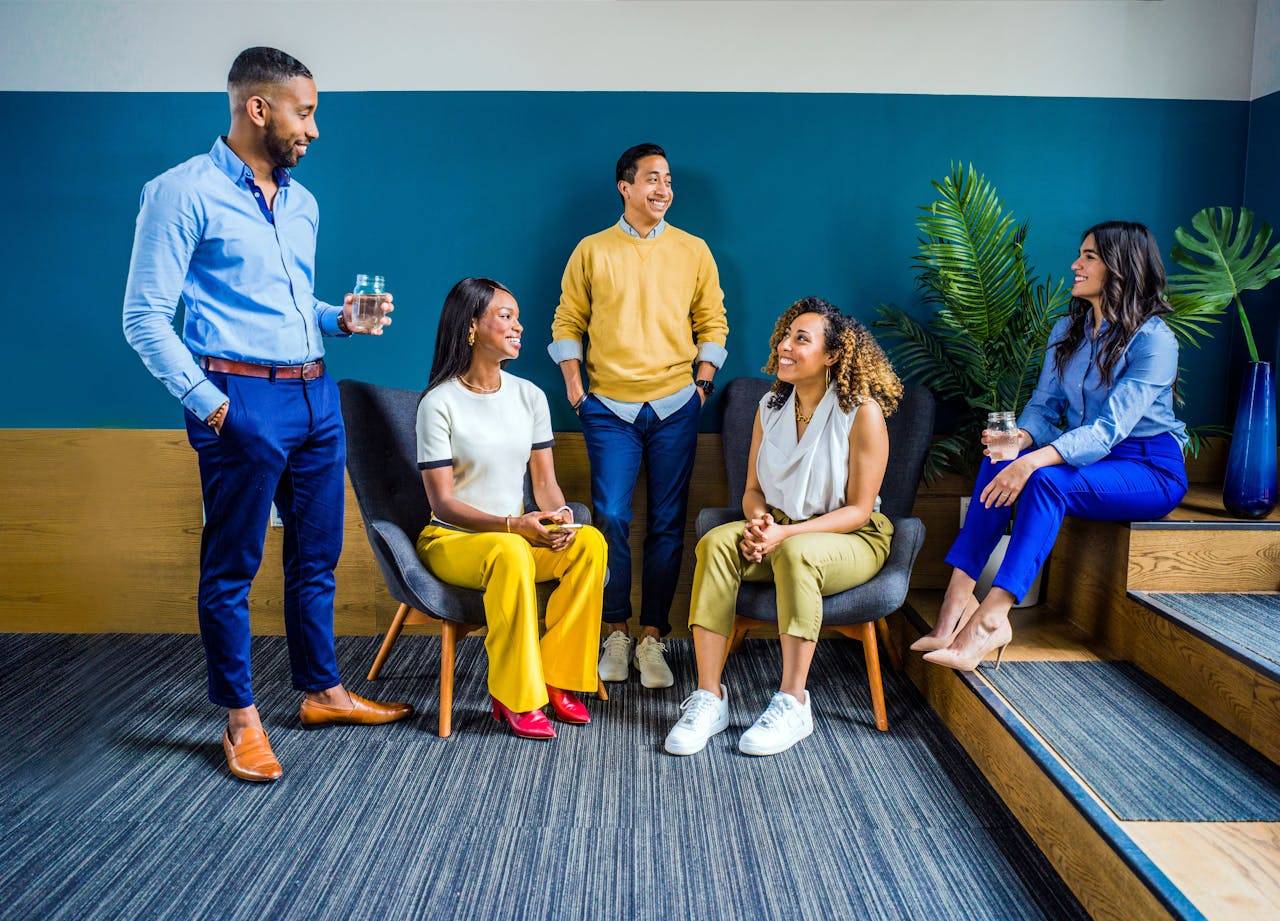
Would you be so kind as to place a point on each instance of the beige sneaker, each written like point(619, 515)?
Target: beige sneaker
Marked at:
point(654, 672)
point(615, 657)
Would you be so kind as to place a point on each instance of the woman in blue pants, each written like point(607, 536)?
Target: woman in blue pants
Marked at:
point(1108, 372)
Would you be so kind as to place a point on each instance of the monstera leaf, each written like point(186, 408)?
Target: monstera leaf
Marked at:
point(1223, 258)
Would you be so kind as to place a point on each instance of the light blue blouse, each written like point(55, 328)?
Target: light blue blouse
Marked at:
point(1139, 401)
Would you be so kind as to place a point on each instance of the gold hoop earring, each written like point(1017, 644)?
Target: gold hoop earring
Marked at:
point(828, 381)
point(471, 338)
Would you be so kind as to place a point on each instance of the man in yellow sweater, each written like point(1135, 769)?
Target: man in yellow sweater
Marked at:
point(647, 298)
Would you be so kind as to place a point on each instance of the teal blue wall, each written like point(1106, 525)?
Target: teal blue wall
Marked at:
point(796, 194)
point(1262, 194)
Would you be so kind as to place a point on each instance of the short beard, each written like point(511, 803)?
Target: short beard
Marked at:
point(280, 150)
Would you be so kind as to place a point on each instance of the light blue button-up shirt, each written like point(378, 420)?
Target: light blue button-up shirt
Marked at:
point(713, 352)
point(1139, 401)
point(244, 272)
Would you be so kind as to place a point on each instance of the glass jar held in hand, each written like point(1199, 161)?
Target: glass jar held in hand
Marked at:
point(1002, 437)
point(369, 300)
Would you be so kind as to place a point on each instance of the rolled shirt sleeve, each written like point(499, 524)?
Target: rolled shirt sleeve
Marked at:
point(168, 229)
point(1150, 370)
point(564, 349)
point(713, 352)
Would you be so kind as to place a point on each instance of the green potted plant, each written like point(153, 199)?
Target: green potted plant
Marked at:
point(1222, 258)
point(981, 350)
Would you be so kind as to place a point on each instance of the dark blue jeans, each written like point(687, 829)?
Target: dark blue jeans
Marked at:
point(1141, 479)
point(615, 449)
point(282, 441)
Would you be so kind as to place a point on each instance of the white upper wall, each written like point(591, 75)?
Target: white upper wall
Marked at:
point(1266, 49)
point(1174, 49)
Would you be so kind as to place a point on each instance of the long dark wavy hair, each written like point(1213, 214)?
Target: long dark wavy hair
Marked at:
point(861, 371)
point(1132, 294)
point(466, 302)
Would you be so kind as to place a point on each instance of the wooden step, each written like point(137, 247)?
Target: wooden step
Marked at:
point(1118, 869)
point(1100, 577)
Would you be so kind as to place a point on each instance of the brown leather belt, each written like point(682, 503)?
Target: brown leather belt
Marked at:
point(308, 372)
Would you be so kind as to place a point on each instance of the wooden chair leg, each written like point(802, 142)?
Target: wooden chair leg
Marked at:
point(393, 633)
point(740, 627)
point(872, 655)
point(601, 693)
point(449, 634)
point(895, 655)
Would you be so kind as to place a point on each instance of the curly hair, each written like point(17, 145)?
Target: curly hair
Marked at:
point(861, 371)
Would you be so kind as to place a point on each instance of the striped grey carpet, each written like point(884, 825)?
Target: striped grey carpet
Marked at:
point(1250, 621)
point(115, 803)
point(1149, 754)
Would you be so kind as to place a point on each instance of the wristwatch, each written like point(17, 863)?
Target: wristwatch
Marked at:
point(707, 387)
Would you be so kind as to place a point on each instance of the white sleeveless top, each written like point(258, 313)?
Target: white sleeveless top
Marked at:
point(808, 477)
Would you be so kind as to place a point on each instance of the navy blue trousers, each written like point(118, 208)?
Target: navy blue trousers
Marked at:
point(616, 449)
point(1141, 479)
point(282, 441)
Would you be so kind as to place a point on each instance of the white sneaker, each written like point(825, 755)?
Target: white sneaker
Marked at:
point(615, 657)
point(654, 672)
point(704, 715)
point(783, 723)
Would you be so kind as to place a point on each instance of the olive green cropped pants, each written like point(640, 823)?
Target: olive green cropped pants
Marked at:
point(804, 568)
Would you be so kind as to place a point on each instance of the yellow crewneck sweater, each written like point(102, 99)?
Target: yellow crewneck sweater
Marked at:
point(645, 305)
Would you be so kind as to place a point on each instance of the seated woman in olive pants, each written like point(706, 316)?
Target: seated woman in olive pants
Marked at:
point(813, 525)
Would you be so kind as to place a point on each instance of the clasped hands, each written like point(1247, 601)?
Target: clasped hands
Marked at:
point(761, 537)
point(538, 528)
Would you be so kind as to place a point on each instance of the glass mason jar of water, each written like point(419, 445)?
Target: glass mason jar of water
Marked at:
point(1002, 436)
point(366, 306)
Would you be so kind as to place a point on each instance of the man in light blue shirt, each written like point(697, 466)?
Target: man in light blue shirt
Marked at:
point(234, 235)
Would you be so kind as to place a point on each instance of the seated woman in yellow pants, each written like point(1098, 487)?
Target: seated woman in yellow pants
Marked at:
point(478, 429)
point(812, 521)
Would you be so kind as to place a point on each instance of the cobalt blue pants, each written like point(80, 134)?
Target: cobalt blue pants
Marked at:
point(282, 441)
point(1141, 479)
point(615, 449)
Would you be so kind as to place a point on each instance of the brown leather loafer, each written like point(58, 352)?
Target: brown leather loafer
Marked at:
point(252, 759)
point(362, 712)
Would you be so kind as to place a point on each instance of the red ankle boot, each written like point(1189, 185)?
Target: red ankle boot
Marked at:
point(567, 707)
point(531, 725)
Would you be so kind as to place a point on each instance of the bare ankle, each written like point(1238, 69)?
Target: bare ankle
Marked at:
point(335, 696)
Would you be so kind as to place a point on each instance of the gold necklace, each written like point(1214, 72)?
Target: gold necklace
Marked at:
point(474, 389)
point(801, 417)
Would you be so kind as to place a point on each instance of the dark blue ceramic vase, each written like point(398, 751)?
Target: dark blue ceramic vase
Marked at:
point(1249, 491)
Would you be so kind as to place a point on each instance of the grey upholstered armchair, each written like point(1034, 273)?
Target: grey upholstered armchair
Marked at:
point(859, 612)
point(382, 464)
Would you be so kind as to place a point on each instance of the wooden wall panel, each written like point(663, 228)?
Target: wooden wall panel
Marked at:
point(100, 531)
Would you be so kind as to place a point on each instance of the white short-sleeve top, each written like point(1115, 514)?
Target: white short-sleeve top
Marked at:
point(486, 438)
point(808, 476)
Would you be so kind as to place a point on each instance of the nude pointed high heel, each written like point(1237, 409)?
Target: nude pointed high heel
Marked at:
point(928, 643)
point(995, 642)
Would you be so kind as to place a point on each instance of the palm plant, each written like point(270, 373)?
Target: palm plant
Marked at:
point(983, 347)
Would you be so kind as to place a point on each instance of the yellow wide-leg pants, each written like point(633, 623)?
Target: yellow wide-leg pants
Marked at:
point(506, 568)
point(804, 568)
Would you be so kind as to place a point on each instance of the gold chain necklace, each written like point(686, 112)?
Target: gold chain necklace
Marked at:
point(801, 417)
point(474, 389)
